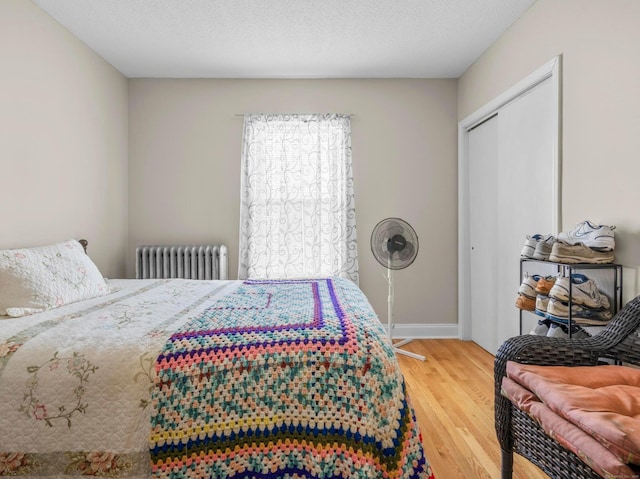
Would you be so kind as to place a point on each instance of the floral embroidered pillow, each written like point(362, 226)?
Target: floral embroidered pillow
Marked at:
point(36, 279)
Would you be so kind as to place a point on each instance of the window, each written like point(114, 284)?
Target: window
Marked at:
point(297, 216)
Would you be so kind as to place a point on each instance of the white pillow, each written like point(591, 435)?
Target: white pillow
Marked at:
point(46, 277)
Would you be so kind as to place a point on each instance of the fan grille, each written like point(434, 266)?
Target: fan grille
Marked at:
point(394, 243)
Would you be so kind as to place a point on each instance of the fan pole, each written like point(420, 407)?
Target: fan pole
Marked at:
point(396, 347)
point(390, 304)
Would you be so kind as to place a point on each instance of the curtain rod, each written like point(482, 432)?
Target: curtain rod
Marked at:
point(346, 114)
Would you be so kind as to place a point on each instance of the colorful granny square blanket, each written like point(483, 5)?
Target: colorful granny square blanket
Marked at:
point(284, 379)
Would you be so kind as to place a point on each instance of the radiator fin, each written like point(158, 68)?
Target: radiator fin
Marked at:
point(182, 261)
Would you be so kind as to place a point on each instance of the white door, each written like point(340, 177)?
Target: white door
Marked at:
point(512, 173)
point(526, 186)
point(483, 223)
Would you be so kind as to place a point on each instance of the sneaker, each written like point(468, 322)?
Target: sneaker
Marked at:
point(579, 333)
point(542, 328)
point(560, 331)
point(557, 331)
point(543, 248)
point(525, 302)
point(545, 284)
point(541, 305)
point(593, 317)
point(530, 245)
point(583, 292)
point(598, 237)
point(558, 310)
point(578, 253)
point(528, 286)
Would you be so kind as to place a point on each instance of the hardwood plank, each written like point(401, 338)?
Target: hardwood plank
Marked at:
point(452, 394)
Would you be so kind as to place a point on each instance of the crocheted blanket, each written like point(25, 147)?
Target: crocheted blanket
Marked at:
point(284, 379)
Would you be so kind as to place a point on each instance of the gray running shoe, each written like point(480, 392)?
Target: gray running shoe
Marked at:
point(579, 333)
point(557, 331)
point(579, 253)
point(560, 331)
point(542, 328)
point(543, 248)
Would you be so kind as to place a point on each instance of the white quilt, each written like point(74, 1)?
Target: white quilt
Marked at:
point(75, 381)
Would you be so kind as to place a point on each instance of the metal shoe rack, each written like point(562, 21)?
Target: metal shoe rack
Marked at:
point(608, 278)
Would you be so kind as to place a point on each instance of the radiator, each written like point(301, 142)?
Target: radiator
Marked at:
point(182, 261)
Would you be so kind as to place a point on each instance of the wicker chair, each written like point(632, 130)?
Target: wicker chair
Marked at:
point(619, 341)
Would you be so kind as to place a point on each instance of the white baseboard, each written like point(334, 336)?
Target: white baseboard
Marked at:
point(425, 331)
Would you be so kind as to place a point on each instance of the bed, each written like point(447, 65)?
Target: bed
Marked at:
point(181, 378)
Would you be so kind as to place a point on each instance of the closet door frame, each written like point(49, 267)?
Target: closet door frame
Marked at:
point(550, 70)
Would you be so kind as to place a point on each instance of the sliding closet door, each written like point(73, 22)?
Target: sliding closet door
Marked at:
point(526, 191)
point(511, 195)
point(483, 223)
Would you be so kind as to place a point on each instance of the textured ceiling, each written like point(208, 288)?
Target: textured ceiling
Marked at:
point(288, 38)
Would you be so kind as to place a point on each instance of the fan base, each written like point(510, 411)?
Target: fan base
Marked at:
point(396, 348)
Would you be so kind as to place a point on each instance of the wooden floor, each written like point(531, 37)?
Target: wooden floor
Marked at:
point(452, 394)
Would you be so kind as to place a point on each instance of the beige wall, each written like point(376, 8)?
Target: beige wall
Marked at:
point(64, 129)
point(598, 41)
point(184, 171)
point(63, 139)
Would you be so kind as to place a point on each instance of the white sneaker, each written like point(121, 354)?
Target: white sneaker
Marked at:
point(558, 310)
point(530, 245)
point(598, 237)
point(528, 286)
point(583, 291)
point(542, 300)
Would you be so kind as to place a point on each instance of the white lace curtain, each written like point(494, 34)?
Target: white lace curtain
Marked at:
point(297, 214)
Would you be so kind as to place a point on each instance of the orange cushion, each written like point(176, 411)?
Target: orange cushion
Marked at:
point(602, 401)
point(569, 436)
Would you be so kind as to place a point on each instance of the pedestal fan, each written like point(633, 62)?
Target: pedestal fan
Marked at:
point(394, 243)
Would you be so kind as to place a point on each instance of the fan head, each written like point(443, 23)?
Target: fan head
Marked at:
point(394, 243)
